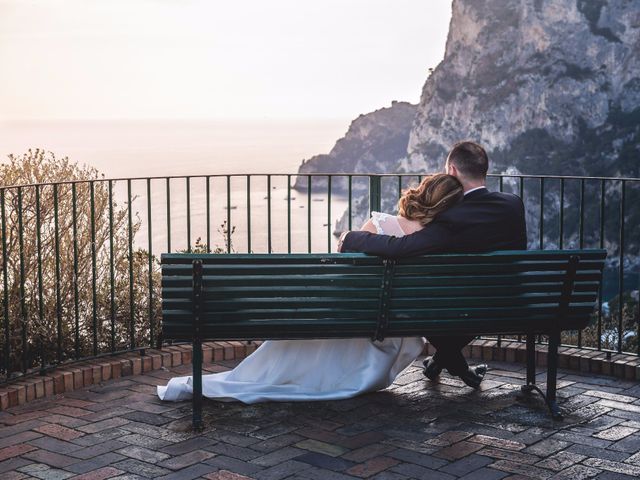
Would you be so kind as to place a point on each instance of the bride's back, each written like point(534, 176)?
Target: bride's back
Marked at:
point(409, 226)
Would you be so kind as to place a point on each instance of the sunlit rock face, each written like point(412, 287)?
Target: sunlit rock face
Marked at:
point(373, 142)
point(547, 86)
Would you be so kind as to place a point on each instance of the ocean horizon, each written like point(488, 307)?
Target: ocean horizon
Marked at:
point(157, 148)
point(137, 148)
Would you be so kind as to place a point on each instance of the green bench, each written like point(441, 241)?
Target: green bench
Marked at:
point(303, 296)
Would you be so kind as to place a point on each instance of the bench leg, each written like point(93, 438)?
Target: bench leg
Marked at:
point(196, 360)
point(552, 374)
point(531, 364)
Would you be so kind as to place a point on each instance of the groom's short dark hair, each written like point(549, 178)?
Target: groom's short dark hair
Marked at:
point(470, 159)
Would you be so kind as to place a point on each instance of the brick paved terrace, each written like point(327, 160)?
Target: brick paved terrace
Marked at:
point(118, 428)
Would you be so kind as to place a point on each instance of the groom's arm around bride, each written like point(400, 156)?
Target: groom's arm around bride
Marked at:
point(484, 221)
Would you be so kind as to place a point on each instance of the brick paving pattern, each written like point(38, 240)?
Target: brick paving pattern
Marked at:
point(413, 430)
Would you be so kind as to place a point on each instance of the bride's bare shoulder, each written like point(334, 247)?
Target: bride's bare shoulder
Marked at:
point(409, 226)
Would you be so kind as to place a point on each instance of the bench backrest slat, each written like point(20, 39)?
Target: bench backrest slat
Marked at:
point(337, 295)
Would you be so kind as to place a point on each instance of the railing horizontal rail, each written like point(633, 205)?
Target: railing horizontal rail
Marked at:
point(332, 174)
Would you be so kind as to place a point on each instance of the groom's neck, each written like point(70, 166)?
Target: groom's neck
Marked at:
point(468, 186)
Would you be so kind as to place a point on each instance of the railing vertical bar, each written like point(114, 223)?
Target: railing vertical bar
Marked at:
point(329, 182)
point(399, 186)
point(40, 286)
point(112, 271)
point(94, 292)
point(152, 330)
point(561, 240)
point(375, 189)
point(56, 245)
point(269, 247)
point(23, 305)
point(309, 213)
point(581, 238)
point(5, 283)
point(288, 213)
point(168, 214)
point(188, 189)
point(521, 195)
point(602, 197)
point(581, 227)
point(623, 189)
point(521, 188)
point(76, 292)
point(541, 242)
point(350, 201)
point(541, 220)
point(131, 289)
point(228, 239)
point(248, 213)
point(501, 186)
point(208, 195)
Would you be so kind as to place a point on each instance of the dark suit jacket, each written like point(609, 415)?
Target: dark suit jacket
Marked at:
point(484, 221)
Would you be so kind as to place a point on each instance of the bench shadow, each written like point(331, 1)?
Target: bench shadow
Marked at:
point(409, 408)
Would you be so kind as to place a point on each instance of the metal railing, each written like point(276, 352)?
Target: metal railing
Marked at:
point(80, 273)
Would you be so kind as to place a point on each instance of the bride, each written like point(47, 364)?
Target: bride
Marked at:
point(330, 369)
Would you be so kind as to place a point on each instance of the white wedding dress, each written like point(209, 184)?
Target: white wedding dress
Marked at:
point(301, 370)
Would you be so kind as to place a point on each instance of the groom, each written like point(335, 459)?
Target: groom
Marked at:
point(484, 221)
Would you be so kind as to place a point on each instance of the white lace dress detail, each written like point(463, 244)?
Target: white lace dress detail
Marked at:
point(386, 224)
point(302, 370)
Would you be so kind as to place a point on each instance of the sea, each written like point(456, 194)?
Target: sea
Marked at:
point(262, 212)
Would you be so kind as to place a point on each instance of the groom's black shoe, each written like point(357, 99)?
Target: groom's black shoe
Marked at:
point(431, 369)
point(474, 375)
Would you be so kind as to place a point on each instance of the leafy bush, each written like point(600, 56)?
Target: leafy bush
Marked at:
point(68, 265)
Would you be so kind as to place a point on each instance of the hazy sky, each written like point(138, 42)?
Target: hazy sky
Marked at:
point(214, 58)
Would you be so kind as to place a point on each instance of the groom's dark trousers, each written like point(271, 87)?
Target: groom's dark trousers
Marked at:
point(483, 222)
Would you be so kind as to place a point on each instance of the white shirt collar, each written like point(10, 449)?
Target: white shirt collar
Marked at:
point(473, 190)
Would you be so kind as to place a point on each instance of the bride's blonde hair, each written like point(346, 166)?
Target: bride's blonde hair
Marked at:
point(435, 194)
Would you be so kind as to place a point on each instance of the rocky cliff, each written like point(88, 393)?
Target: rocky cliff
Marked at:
point(372, 143)
point(548, 87)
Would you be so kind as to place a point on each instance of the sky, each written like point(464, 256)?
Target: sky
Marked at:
point(214, 59)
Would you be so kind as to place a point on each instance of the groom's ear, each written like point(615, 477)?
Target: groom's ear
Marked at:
point(450, 169)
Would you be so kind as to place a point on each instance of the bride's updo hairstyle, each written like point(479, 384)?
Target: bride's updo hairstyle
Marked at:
point(435, 194)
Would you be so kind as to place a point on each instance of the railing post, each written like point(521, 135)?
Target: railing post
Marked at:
point(5, 292)
point(132, 311)
point(112, 273)
point(621, 266)
point(23, 306)
point(375, 193)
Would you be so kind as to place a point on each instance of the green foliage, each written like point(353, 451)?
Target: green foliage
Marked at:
point(202, 247)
